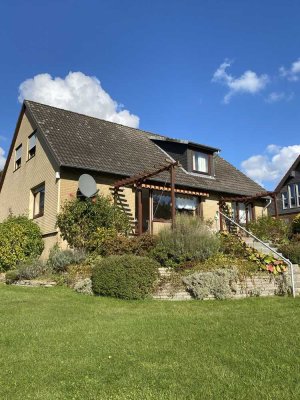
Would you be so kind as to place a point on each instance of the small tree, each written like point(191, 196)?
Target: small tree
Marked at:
point(20, 240)
point(83, 223)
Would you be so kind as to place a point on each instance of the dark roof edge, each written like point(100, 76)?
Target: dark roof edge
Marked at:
point(281, 183)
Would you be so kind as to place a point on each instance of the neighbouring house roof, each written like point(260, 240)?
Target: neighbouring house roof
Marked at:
point(292, 168)
point(84, 142)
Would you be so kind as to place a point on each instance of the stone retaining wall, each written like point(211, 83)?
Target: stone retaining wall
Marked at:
point(170, 288)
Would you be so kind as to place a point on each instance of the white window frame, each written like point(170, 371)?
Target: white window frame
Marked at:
point(196, 164)
point(16, 165)
point(31, 154)
point(290, 195)
point(283, 200)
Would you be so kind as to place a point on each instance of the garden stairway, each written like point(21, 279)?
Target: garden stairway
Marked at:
point(250, 242)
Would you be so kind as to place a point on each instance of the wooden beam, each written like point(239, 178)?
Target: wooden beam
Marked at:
point(275, 205)
point(139, 211)
point(173, 205)
point(142, 176)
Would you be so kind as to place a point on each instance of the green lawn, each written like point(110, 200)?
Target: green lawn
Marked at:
point(56, 344)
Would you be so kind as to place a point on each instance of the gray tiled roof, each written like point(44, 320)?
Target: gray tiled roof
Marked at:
point(85, 142)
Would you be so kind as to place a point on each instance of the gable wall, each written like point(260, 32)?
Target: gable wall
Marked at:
point(288, 211)
point(15, 196)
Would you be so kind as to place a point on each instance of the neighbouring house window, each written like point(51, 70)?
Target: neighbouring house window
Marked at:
point(38, 201)
point(31, 146)
point(298, 193)
point(18, 157)
point(292, 195)
point(183, 204)
point(285, 200)
point(200, 162)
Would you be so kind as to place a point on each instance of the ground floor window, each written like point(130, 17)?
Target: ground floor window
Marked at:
point(162, 204)
point(38, 201)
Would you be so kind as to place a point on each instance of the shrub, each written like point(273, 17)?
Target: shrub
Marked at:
point(270, 229)
point(31, 269)
point(225, 261)
point(126, 277)
point(59, 259)
point(11, 276)
point(220, 284)
point(84, 286)
point(296, 224)
point(291, 251)
point(20, 240)
point(85, 223)
point(137, 245)
point(190, 240)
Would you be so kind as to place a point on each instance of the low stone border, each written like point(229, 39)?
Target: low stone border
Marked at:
point(35, 283)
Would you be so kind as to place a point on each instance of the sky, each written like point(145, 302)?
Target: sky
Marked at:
point(222, 73)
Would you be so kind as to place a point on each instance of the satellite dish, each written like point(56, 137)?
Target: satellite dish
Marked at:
point(87, 185)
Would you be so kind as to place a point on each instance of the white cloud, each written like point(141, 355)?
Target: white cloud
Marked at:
point(292, 73)
point(272, 165)
point(2, 158)
point(76, 92)
point(248, 82)
point(275, 97)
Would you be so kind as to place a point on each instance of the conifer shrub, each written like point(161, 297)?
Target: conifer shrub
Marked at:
point(126, 277)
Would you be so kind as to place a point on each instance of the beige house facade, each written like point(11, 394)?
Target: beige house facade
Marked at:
point(52, 148)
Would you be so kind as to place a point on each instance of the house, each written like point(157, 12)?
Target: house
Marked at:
point(52, 148)
point(288, 193)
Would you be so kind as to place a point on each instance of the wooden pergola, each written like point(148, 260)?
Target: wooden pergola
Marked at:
point(139, 182)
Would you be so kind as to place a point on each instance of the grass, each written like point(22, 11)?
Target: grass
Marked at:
point(56, 344)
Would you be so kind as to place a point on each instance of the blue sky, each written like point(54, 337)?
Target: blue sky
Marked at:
point(223, 73)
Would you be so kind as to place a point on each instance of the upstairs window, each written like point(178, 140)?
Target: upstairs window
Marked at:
point(38, 201)
point(18, 157)
point(31, 146)
point(200, 162)
point(298, 193)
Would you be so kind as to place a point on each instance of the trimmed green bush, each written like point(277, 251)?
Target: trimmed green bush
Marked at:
point(20, 240)
point(125, 277)
point(190, 240)
point(87, 223)
point(270, 229)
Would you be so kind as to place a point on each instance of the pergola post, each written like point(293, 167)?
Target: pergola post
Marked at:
point(173, 205)
point(139, 210)
point(275, 205)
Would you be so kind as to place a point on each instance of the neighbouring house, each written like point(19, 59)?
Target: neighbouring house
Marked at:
point(52, 147)
point(288, 193)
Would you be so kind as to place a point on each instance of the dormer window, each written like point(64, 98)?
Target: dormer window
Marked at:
point(200, 162)
point(31, 146)
point(18, 157)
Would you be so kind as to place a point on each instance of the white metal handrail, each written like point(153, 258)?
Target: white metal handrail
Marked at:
point(288, 262)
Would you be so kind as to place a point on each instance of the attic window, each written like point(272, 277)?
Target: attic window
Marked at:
point(18, 157)
point(31, 146)
point(200, 162)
